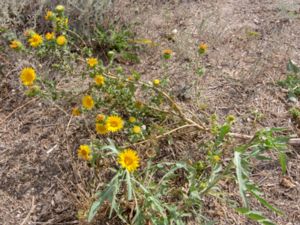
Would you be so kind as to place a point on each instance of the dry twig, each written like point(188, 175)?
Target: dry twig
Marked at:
point(26, 219)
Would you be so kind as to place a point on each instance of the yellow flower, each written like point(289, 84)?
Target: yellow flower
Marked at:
point(130, 78)
point(35, 40)
point(101, 128)
point(132, 119)
point(49, 15)
point(139, 104)
point(88, 102)
point(167, 53)
point(216, 158)
point(76, 111)
point(136, 130)
point(202, 48)
point(92, 62)
point(100, 118)
point(61, 40)
point(49, 36)
point(27, 76)
point(15, 44)
point(60, 8)
point(129, 160)
point(156, 82)
point(99, 80)
point(84, 152)
point(114, 123)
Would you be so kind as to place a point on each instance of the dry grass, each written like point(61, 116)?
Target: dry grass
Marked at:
point(240, 78)
point(85, 14)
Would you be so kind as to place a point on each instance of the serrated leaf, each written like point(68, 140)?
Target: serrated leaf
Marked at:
point(240, 176)
point(108, 194)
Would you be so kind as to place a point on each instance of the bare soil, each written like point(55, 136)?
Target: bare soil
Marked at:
point(250, 42)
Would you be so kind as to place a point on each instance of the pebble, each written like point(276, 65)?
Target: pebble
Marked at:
point(175, 31)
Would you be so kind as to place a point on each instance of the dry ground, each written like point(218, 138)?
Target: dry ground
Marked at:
point(250, 42)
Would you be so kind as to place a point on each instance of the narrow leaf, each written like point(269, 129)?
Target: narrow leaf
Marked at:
point(282, 161)
point(239, 174)
point(266, 204)
point(129, 186)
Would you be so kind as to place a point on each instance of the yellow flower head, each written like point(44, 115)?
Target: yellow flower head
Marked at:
point(49, 36)
point(202, 48)
point(35, 40)
point(101, 128)
point(60, 8)
point(49, 15)
point(167, 53)
point(27, 76)
point(15, 44)
point(88, 102)
point(136, 130)
point(114, 123)
point(61, 40)
point(76, 111)
point(92, 62)
point(130, 78)
point(100, 118)
point(132, 119)
point(84, 152)
point(139, 104)
point(129, 160)
point(216, 158)
point(156, 82)
point(99, 80)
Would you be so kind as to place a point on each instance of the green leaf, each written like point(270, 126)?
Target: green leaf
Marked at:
point(240, 176)
point(282, 161)
point(129, 186)
point(292, 67)
point(224, 130)
point(256, 216)
point(108, 194)
point(111, 147)
point(267, 222)
point(266, 204)
point(171, 171)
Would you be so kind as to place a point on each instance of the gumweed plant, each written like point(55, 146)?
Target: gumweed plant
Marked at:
point(128, 115)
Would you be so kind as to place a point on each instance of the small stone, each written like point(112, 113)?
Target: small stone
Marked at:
point(175, 31)
point(293, 99)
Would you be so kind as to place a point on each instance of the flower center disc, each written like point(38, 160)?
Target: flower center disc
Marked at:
point(114, 124)
point(128, 161)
